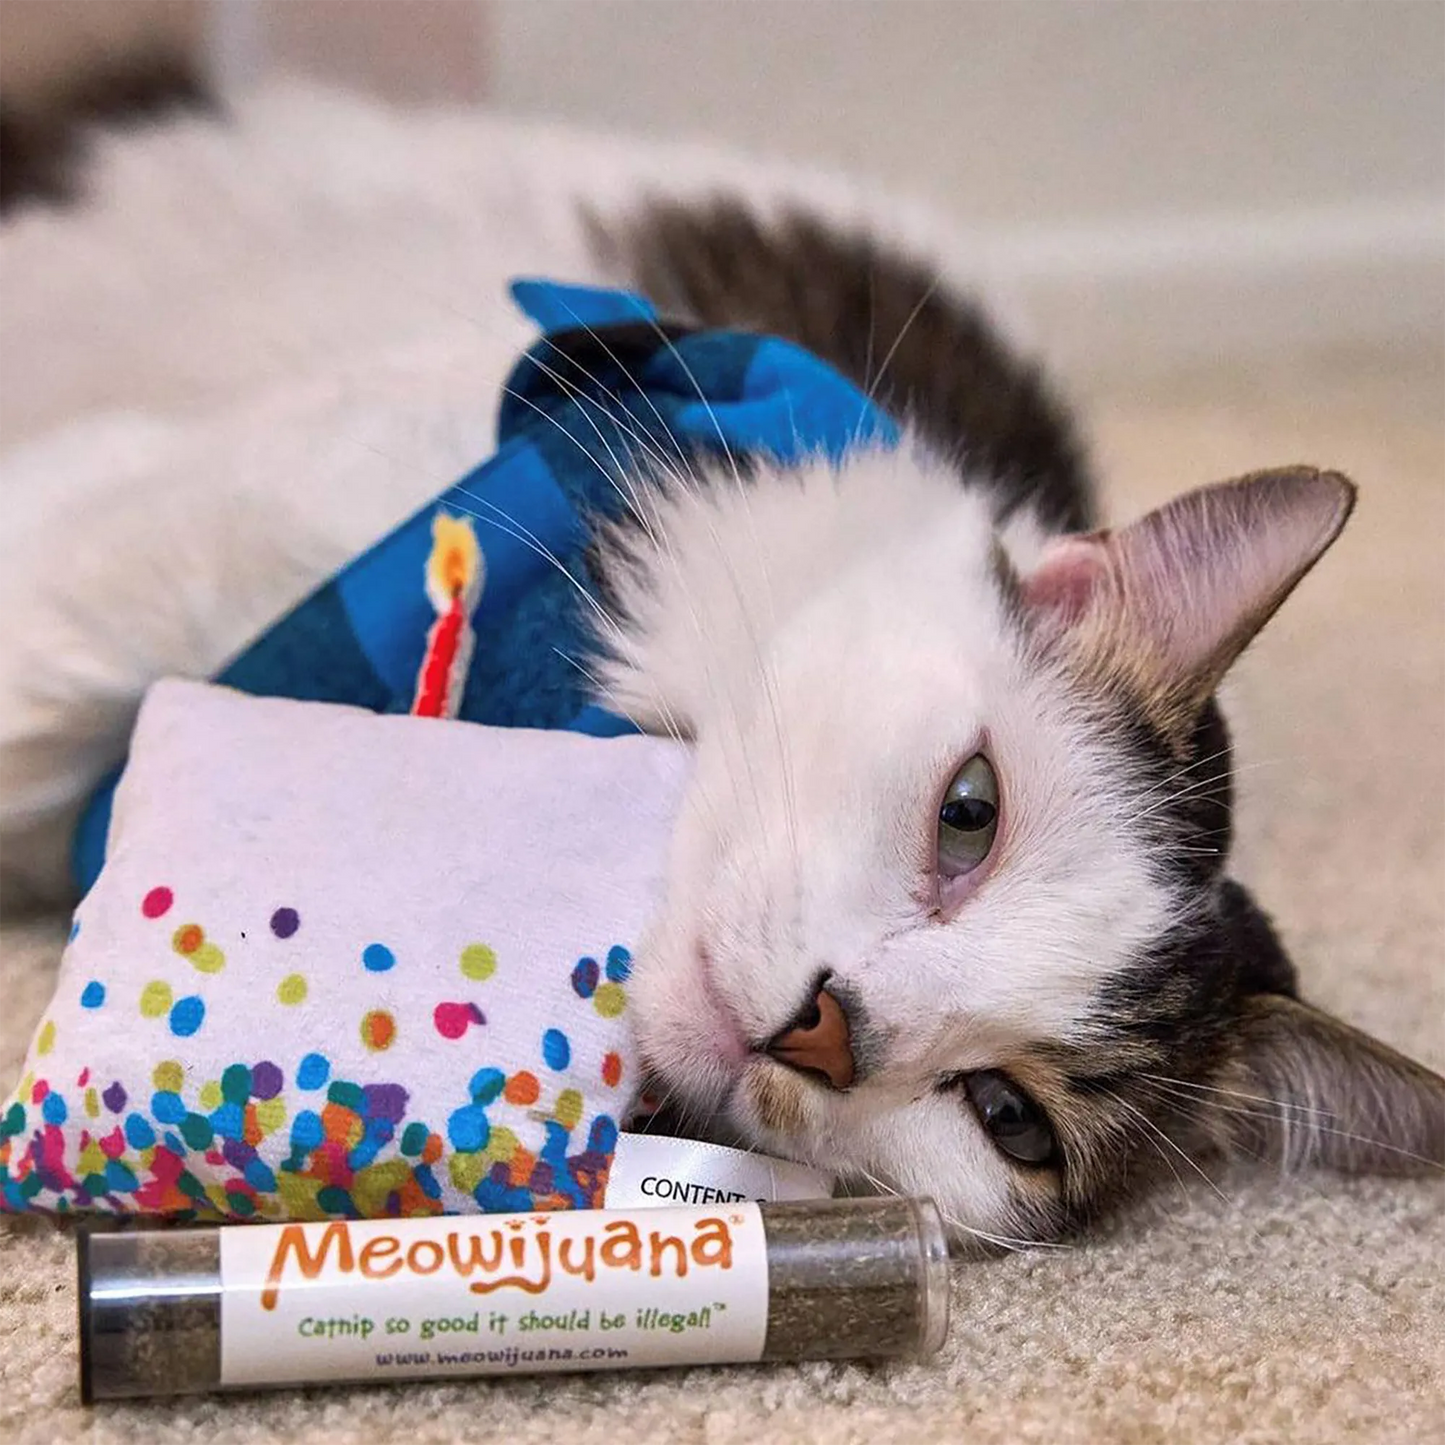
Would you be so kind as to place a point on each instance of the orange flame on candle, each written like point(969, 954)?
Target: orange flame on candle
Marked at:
point(454, 568)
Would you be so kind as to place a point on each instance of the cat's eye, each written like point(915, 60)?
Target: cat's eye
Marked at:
point(1010, 1117)
point(967, 818)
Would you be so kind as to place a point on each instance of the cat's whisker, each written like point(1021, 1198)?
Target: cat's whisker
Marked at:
point(872, 330)
point(509, 526)
point(769, 680)
point(684, 458)
point(732, 461)
point(530, 541)
point(1199, 762)
point(1160, 784)
point(1290, 1118)
point(662, 546)
point(512, 528)
point(506, 525)
point(1154, 803)
point(903, 331)
point(1183, 1104)
point(1199, 785)
point(1161, 1135)
point(1195, 785)
point(669, 721)
point(878, 1185)
point(1193, 1086)
point(1011, 1243)
point(659, 1111)
point(634, 503)
point(595, 682)
point(669, 718)
point(631, 499)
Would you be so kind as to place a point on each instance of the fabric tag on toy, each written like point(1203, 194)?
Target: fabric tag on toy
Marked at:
point(654, 1171)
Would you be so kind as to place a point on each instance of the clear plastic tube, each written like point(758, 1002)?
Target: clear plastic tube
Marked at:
point(178, 1311)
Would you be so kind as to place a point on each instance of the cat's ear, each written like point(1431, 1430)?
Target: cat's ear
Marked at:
point(1163, 606)
point(1302, 1087)
point(1308, 1089)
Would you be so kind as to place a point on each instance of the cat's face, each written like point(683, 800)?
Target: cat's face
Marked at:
point(945, 911)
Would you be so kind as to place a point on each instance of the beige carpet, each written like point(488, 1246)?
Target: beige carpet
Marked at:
point(1247, 1311)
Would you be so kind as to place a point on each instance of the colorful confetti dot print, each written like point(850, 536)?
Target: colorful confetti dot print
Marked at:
point(190, 941)
point(378, 958)
point(569, 1108)
point(556, 1050)
point(609, 998)
point(157, 903)
point(208, 959)
point(291, 990)
point(452, 1020)
point(313, 1134)
point(155, 999)
point(478, 962)
point(585, 976)
point(187, 1015)
point(314, 1071)
point(188, 938)
point(378, 1029)
point(285, 922)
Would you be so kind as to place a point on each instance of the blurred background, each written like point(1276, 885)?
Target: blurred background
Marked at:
point(1170, 181)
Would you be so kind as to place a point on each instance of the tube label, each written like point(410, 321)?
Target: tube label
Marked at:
point(492, 1294)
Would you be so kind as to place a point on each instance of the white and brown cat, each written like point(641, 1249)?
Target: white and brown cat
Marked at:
point(949, 907)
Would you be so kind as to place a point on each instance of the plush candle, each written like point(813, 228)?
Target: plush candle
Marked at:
point(455, 575)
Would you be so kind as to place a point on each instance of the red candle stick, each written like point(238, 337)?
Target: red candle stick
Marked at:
point(454, 577)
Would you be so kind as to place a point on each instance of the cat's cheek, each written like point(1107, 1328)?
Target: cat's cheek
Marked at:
point(930, 1148)
point(768, 1107)
point(687, 1041)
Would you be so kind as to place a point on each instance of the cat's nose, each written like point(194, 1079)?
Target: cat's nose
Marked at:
point(817, 1042)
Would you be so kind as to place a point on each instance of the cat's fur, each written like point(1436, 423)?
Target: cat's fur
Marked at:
point(838, 643)
point(42, 140)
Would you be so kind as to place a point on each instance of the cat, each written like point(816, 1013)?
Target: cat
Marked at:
point(948, 908)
